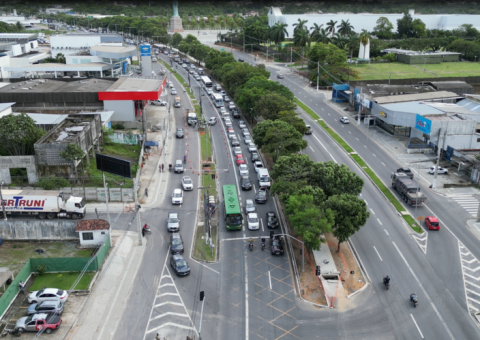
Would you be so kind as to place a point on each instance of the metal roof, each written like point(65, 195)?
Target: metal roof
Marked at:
point(409, 52)
point(413, 107)
point(45, 118)
point(472, 105)
point(114, 52)
point(135, 85)
point(4, 106)
point(416, 97)
point(52, 85)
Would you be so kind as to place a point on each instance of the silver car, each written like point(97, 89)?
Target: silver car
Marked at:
point(246, 132)
point(237, 150)
point(173, 222)
point(248, 140)
point(252, 147)
point(249, 206)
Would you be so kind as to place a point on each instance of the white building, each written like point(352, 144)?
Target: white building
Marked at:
point(92, 233)
point(368, 21)
point(72, 43)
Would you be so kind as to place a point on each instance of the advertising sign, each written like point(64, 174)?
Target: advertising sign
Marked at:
point(145, 50)
point(423, 124)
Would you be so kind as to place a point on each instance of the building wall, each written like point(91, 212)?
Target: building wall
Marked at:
point(82, 59)
point(4, 62)
point(67, 44)
point(98, 238)
point(124, 110)
point(15, 229)
point(18, 162)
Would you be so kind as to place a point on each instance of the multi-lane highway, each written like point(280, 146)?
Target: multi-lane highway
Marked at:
point(251, 295)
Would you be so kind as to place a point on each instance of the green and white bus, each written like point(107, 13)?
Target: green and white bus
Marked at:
point(233, 212)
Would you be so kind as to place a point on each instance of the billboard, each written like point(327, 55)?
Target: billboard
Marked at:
point(423, 124)
point(113, 165)
point(145, 50)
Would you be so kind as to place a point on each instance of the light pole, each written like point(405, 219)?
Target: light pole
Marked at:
point(475, 59)
point(302, 251)
point(1, 201)
point(424, 60)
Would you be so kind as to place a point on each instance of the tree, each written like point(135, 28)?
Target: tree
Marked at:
point(350, 214)
point(345, 28)
point(331, 27)
point(301, 38)
point(271, 104)
point(335, 179)
point(300, 25)
point(279, 32)
point(308, 219)
point(468, 31)
point(18, 134)
point(277, 138)
point(364, 38)
point(384, 28)
point(419, 28)
point(351, 43)
point(315, 33)
point(183, 46)
point(61, 58)
point(404, 26)
point(291, 118)
point(293, 168)
point(323, 37)
point(326, 54)
point(176, 39)
point(241, 73)
point(72, 153)
point(19, 26)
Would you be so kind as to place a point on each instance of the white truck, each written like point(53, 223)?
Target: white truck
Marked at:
point(42, 203)
point(263, 178)
point(177, 102)
point(191, 117)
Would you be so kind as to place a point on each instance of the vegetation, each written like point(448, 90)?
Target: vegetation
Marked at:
point(18, 134)
point(62, 281)
point(53, 183)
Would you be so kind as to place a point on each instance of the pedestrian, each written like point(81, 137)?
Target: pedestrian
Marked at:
point(143, 232)
point(21, 285)
point(146, 192)
point(162, 167)
point(157, 337)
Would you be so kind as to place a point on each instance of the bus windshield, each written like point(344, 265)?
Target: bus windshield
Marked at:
point(234, 219)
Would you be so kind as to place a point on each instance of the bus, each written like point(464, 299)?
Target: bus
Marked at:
point(218, 99)
point(206, 81)
point(233, 212)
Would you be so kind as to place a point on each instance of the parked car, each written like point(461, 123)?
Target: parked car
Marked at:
point(179, 133)
point(187, 183)
point(37, 322)
point(159, 102)
point(257, 165)
point(254, 157)
point(48, 306)
point(176, 244)
point(261, 196)
point(212, 121)
point(177, 196)
point(241, 60)
point(440, 170)
point(432, 223)
point(249, 206)
point(179, 265)
point(276, 245)
point(344, 120)
point(246, 183)
point(253, 221)
point(173, 222)
point(178, 168)
point(272, 220)
point(243, 169)
point(45, 294)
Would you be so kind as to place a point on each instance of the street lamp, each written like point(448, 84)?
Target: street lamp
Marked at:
point(475, 59)
point(1, 201)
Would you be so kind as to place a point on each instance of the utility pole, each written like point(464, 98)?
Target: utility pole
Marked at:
point(106, 201)
point(202, 298)
point(434, 182)
point(137, 211)
point(1, 201)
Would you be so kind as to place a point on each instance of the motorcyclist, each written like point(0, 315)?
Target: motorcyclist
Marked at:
point(184, 158)
point(250, 240)
point(413, 297)
point(386, 280)
point(263, 242)
point(145, 226)
point(170, 167)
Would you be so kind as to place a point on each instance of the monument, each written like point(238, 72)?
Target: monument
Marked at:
point(176, 21)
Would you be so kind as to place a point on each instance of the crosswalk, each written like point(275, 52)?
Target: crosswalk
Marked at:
point(471, 278)
point(469, 203)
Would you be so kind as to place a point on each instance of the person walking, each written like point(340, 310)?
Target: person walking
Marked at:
point(21, 285)
point(162, 167)
point(146, 192)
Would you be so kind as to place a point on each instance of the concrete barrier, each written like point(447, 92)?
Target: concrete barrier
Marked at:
point(38, 230)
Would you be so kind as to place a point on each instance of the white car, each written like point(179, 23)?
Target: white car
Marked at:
point(252, 147)
point(344, 120)
point(177, 196)
point(228, 121)
point(209, 92)
point(440, 170)
point(222, 110)
point(257, 165)
point(174, 92)
point(253, 221)
point(245, 132)
point(249, 206)
point(170, 84)
point(237, 150)
point(248, 140)
point(159, 102)
point(187, 183)
point(231, 134)
point(48, 294)
point(241, 124)
point(243, 168)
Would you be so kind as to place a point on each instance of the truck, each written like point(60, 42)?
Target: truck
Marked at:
point(409, 190)
point(406, 171)
point(177, 102)
point(191, 117)
point(37, 322)
point(42, 203)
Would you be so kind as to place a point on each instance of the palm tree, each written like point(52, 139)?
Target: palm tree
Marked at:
point(301, 38)
point(331, 27)
point(315, 31)
point(323, 37)
point(364, 38)
point(339, 41)
point(345, 28)
point(300, 25)
point(278, 32)
point(351, 43)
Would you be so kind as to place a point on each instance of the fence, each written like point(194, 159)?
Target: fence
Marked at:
point(38, 230)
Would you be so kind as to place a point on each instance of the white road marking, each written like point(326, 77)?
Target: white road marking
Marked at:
point(380, 222)
point(425, 293)
point(383, 164)
point(325, 148)
point(374, 155)
point(246, 298)
point(386, 232)
point(358, 139)
point(373, 212)
point(261, 222)
point(350, 132)
point(418, 328)
point(254, 189)
point(270, 279)
point(377, 253)
point(311, 148)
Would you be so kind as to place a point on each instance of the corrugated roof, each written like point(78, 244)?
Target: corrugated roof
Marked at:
point(413, 107)
point(52, 85)
point(90, 225)
point(125, 84)
point(4, 106)
point(470, 104)
point(45, 118)
point(113, 49)
point(415, 97)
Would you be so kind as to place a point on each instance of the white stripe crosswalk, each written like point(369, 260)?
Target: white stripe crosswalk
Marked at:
point(469, 203)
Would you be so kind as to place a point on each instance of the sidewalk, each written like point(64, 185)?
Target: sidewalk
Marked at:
point(104, 307)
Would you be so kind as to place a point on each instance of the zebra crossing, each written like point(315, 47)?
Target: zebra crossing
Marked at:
point(469, 203)
point(471, 278)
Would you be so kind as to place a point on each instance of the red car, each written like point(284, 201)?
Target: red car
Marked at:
point(432, 223)
point(240, 159)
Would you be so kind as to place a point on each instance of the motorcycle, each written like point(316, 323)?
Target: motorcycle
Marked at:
point(170, 168)
point(250, 246)
point(14, 332)
point(147, 229)
point(386, 284)
point(414, 300)
point(263, 246)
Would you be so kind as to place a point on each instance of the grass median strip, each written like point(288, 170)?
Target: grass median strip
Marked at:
point(408, 218)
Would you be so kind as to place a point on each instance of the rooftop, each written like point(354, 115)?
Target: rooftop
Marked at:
point(68, 130)
point(408, 52)
point(125, 84)
point(88, 225)
point(51, 85)
point(379, 90)
point(51, 67)
point(444, 95)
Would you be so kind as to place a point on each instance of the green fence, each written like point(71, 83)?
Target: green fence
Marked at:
point(61, 264)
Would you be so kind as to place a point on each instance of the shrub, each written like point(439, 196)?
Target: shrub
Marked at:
point(41, 269)
point(118, 126)
point(52, 183)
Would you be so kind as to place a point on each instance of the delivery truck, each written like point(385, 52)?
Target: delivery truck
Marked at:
point(177, 102)
point(191, 117)
point(42, 203)
point(408, 190)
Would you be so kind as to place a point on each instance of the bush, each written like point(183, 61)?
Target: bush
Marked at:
point(51, 183)
point(118, 126)
point(41, 269)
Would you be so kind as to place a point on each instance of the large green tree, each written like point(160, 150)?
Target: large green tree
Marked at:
point(345, 28)
point(419, 28)
point(176, 39)
point(350, 214)
point(336, 179)
point(269, 105)
point(405, 26)
point(384, 28)
point(18, 134)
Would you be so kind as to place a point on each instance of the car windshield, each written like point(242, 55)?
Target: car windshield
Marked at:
point(187, 181)
point(181, 263)
point(261, 194)
point(249, 204)
point(434, 224)
point(177, 194)
point(253, 219)
point(176, 242)
point(276, 243)
point(173, 219)
point(272, 219)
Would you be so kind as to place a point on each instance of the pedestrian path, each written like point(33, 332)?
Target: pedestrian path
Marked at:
point(469, 203)
point(169, 317)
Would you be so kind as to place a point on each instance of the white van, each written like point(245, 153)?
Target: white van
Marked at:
point(263, 177)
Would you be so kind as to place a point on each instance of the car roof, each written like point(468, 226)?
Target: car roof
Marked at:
point(50, 290)
point(177, 190)
point(257, 163)
point(248, 200)
point(172, 213)
point(49, 303)
point(177, 257)
point(186, 177)
point(432, 218)
point(176, 235)
point(271, 213)
point(178, 161)
point(252, 215)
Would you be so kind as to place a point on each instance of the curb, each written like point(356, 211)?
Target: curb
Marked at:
point(362, 268)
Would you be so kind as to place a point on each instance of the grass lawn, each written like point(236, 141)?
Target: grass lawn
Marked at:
point(62, 281)
point(454, 69)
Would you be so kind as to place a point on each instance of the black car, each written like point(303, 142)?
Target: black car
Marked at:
point(276, 245)
point(235, 142)
point(180, 133)
point(241, 60)
point(255, 156)
point(272, 220)
point(236, 113)
point(246, 183)
point(176, 244)
point(179, 264)
point(262, 196)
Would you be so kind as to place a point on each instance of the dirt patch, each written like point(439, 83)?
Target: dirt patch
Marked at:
point(346, 264)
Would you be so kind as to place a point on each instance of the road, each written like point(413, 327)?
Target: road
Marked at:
point(250, 295)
